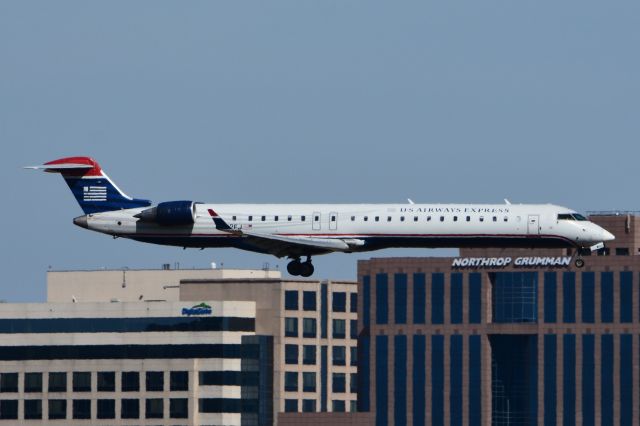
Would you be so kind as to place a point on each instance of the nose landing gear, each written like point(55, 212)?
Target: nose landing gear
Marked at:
point(297, 268)
point(579, 262)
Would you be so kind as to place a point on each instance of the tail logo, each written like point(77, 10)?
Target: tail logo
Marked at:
point(94, 193)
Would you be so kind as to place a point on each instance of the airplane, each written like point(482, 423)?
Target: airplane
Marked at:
point(297, 231)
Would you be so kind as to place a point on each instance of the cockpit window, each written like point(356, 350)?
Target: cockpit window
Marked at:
point(565, 216)
point(578, 216)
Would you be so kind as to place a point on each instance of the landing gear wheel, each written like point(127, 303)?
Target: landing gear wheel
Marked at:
point(307, 269)
point(294, 267)
point(579, 262)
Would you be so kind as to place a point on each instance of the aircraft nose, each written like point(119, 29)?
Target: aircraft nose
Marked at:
point(81, 221)
point(607, 236)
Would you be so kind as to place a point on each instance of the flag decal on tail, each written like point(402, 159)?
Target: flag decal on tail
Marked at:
point(94, 193)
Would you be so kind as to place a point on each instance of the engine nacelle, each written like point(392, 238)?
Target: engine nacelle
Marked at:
point(170, 213)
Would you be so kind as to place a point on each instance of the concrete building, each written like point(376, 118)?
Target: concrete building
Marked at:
point(515, 337)
point(163, 363)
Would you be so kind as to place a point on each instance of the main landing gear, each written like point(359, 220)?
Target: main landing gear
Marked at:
point(304, 269)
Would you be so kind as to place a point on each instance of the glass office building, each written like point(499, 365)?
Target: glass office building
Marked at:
point(503, 337)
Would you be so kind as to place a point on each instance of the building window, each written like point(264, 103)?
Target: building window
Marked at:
point(9, 382)
point(353, 307)
point(569, 297)
point(588, 297)
point(309, 354)
point(33, 409)
point(550, 296)
point(130, 381)
point(291, 327)
point(338, 406)
point(290, 354)
point(353, 406)
point(81, 408)
point(291, 300)
point(57, 409)
point(514, 296)
point(419, 298)
point(82, 381)
point(455, 298)
point(353, 383)
point(309, 327)
point(57, 382)
point(106, 409)
point(154, 408)
point(475, 297)
point(339, 355)
point(291, 405)
point(400, 298)
point(339, 331)
point(155, 381)
point(353, 329)
point(606, 288)
point(382, 299)
point(9, 409)
point(106, 381)
point(354, 356)
point(309, 300)
point(179, 380)
point(308, 381)
point(338, 383)
point(291, 381)
point(33, 382)
point(308, 405)
point(339, 302)
point(437, 298)
point(179, 408)
point(130, 409)
point(626, 296)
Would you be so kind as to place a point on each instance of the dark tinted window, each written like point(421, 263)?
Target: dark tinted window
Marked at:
point(33, 382)
point(291, 327)
point(291, 381)
point(130, 381)
point(81, 381)
point(308, 405)
point(309, 327)
point(57, 409)
point(32, 409)
point(290, 405)
point(339, 302)
point(339, 331)
point(339, 355)
point(354, 302)
point(106, 381)
point(309, 354)
point(9, 409)
point(178, 408)
point(291, 354)
point(309, 300)
point(130, 409)
point(338, 406)
point(354, 356)
point(308, 382)
point(155, 381)
point(565, 216)
point(338, 383)
point(179, 380)
point(154, 408)
point(106, 409)
point(291, 300)
point(82, 409)
point(57, 382)
point(9, 382)
point(353, 329)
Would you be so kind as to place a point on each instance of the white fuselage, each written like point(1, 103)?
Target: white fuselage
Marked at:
point(367, 226)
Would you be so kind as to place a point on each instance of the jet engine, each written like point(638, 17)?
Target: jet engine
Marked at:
point(170, 213)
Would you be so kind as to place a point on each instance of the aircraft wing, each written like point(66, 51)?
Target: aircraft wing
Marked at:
point(281, 245)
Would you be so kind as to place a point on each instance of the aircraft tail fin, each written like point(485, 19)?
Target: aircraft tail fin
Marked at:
point(93, 189)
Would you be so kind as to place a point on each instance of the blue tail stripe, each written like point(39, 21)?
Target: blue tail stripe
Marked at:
point(99, 195)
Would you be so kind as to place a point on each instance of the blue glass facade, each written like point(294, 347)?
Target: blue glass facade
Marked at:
point(569, 379)
point(437, 298)
point(626, 379)
point(364, 373)
point(382, 381)
point(588, 380)
point(550, 371)
point(550, 295)
point(588, 297)
point(475, 379)
point(569, 297)
point(419, 298)
point(626, 296)
point(400, 298)
point(400, 379)
point(606, 379)
point(606, 296)
point(455, 380)
point(514, 296)
point(366, 301)
point(419, 379)
point(382, 299)
point(455, 298)
point(437, 380)
point(475, 298)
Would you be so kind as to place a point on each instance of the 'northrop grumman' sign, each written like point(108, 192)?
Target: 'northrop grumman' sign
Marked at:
point(501, 262)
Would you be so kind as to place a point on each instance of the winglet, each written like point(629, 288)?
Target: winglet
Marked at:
point(221, 225)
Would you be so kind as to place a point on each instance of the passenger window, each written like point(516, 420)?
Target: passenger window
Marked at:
point(495, 218)
point(275, 218)
point(388, 218)
point(428, 218)
point(401, 218)
point(441, 218)
point(303, 218)
point(506, 218)
point(468, 218)
point(455, 218)
point(377, 218)
point(481, 218)
point(250, 218)
point(333, 218)
point(316, 218)
point(289, 218)
point(366, 218)
point(263, 218)
point(415, 218)
point(233, 218)
point(353, 218)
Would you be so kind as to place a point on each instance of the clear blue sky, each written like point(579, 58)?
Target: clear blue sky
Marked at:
point(324, 101)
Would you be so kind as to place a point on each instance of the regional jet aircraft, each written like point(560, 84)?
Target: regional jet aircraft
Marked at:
point(298, 231)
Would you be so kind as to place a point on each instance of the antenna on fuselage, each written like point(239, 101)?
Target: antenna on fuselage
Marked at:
point(410, 201)
point(507, 202)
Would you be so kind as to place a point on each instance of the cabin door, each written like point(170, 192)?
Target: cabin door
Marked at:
point(333, 220)
point(533, 224)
